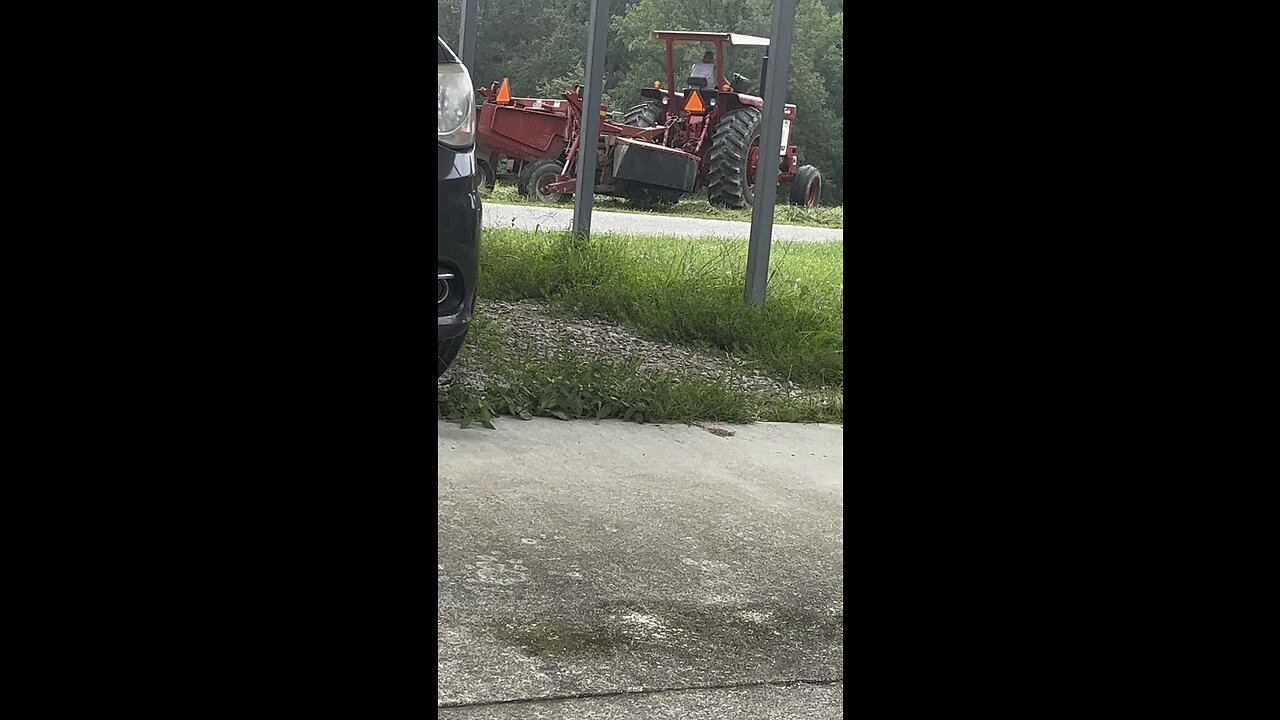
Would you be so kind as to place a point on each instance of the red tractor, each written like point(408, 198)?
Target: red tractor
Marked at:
point(719, 123)
point(672, 144)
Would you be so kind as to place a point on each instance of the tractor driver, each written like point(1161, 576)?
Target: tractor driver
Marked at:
point(705, 69)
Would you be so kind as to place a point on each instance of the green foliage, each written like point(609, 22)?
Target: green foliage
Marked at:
point(570, 388)
point(539, 46)
point(555, 87)
point(687, 291)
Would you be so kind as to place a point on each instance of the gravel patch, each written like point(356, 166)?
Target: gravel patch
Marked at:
point(527, 328)
point(531, 217)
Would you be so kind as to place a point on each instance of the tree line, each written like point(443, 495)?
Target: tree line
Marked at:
point(542, 49)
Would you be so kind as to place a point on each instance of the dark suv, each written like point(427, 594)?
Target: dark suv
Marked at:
point(458, 212)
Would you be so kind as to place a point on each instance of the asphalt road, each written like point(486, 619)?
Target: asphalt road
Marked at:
point(529, 217)
point(613, 570)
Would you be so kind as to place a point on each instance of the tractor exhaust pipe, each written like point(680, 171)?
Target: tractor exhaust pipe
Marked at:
point(764, 72)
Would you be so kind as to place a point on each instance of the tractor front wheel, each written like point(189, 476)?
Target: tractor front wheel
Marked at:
point(735, 144)
point(806, 187)
point(541, 174)
point(644, 115)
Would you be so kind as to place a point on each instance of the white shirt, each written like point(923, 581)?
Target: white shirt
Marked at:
point(706, 70)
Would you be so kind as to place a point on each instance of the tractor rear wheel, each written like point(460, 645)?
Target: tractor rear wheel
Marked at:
point(541, 174)
point(806, 187)
point(645, 114)
point(735, 144)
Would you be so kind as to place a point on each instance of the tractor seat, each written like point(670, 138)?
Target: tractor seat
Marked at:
point(700, 84)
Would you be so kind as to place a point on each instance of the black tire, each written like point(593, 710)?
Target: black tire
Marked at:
point(648, 196)
point(486, 174)
point(806, 187)
point(727, 182)
point(522, 180)
point(447, 350)
point(645, 114)
point(540, 173)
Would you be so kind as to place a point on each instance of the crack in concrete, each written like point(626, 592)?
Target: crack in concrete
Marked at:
point(641, 691)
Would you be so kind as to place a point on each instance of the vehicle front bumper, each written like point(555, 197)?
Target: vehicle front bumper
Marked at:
point(458, 239)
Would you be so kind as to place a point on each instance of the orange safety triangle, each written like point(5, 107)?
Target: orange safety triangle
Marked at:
point(694, 103)
point(504, 92)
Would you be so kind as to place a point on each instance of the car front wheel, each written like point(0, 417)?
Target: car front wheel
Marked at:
point(446, 351)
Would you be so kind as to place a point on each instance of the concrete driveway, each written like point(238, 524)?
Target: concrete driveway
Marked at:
point(613, 570)
point(529, 217)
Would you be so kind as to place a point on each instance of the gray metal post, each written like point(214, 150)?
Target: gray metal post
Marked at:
point(775, 96)
point(467, 36)
point(590, 131)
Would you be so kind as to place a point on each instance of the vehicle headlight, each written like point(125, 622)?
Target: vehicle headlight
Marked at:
point(456, 106)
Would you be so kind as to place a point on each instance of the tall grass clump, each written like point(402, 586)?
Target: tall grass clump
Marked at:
point(685, 290)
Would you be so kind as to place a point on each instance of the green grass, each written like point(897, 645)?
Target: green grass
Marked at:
point(572, 388)
point(689, 206)
point(686, 291)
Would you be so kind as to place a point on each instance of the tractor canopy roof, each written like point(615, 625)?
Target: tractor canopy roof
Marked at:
point(733, 38)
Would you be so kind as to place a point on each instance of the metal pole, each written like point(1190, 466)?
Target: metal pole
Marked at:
point(671, 79)
point(784, 22)
point(589, 139)
point(467, 36)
